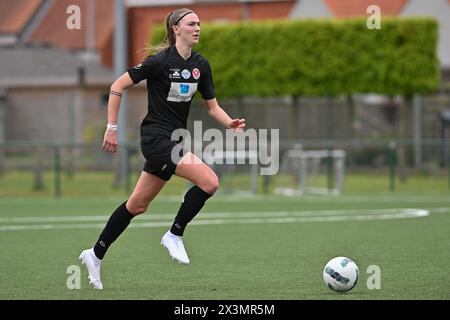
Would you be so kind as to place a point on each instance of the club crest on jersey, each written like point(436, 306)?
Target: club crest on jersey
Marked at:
point(185, 74)
point(196, 73)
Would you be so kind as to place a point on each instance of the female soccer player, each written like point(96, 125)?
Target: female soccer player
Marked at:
point(173, 76)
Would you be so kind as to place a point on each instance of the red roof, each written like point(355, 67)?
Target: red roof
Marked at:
point(53, 28)
point(14, 15)
point(352, 8)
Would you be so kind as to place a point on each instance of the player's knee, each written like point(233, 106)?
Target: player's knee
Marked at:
point(211, 185)
point(137, 208)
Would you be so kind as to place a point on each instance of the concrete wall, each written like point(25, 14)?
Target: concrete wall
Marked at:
point(66, 114)
point(39, 114)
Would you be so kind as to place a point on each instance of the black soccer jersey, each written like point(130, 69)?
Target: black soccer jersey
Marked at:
point(171, 83)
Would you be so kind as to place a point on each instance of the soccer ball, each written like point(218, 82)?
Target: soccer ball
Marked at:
point(340, 274)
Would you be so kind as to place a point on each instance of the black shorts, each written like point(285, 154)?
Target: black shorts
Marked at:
point(157, 151)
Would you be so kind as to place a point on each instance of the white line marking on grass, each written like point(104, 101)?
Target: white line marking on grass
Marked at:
point(220, 218)
point(215, 215)
point(440, 210)
point(344, 198)
point(52, 219)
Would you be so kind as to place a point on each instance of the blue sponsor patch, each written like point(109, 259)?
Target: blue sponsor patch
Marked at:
point(184, 88)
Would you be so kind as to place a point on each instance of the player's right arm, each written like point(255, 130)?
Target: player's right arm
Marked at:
point(117, 88)
point(150, 67)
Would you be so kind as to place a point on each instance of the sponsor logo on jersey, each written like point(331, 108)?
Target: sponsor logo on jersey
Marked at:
point(174, 74)
point(184, 88)
point(186, 74)
point(181, 92)
point(196, 73)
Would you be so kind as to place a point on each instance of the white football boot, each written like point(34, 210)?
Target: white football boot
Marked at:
point(92, 264)
point(174, 244)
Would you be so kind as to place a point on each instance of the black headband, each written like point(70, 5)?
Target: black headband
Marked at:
point(183, 17)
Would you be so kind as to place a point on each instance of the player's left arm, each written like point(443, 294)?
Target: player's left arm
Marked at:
point(217, 113)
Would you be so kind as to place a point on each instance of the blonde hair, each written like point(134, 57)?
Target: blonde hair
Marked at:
point(169, 40)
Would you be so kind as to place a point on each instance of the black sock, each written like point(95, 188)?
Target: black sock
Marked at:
point(194, 200)
point(117, 223)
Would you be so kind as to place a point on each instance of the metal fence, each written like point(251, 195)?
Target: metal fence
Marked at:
point(42, 164)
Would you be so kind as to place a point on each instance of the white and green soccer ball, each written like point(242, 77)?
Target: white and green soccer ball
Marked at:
point(340, 274)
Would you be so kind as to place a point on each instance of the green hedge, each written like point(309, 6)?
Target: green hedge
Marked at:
point(320, 57)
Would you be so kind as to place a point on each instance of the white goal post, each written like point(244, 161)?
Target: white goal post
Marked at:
point(308, 166)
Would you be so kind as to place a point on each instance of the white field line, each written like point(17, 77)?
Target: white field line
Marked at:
point(220, 218)
point(215, 215)
point(211, 215)
point(341, 198)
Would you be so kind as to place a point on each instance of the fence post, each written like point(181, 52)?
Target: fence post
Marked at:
point(3, 102)
point(57, 169)
point(392, 161)
point(266, 183)
point(417, 124)
point(448, 167)
point(330, 131)
point(38, 170)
